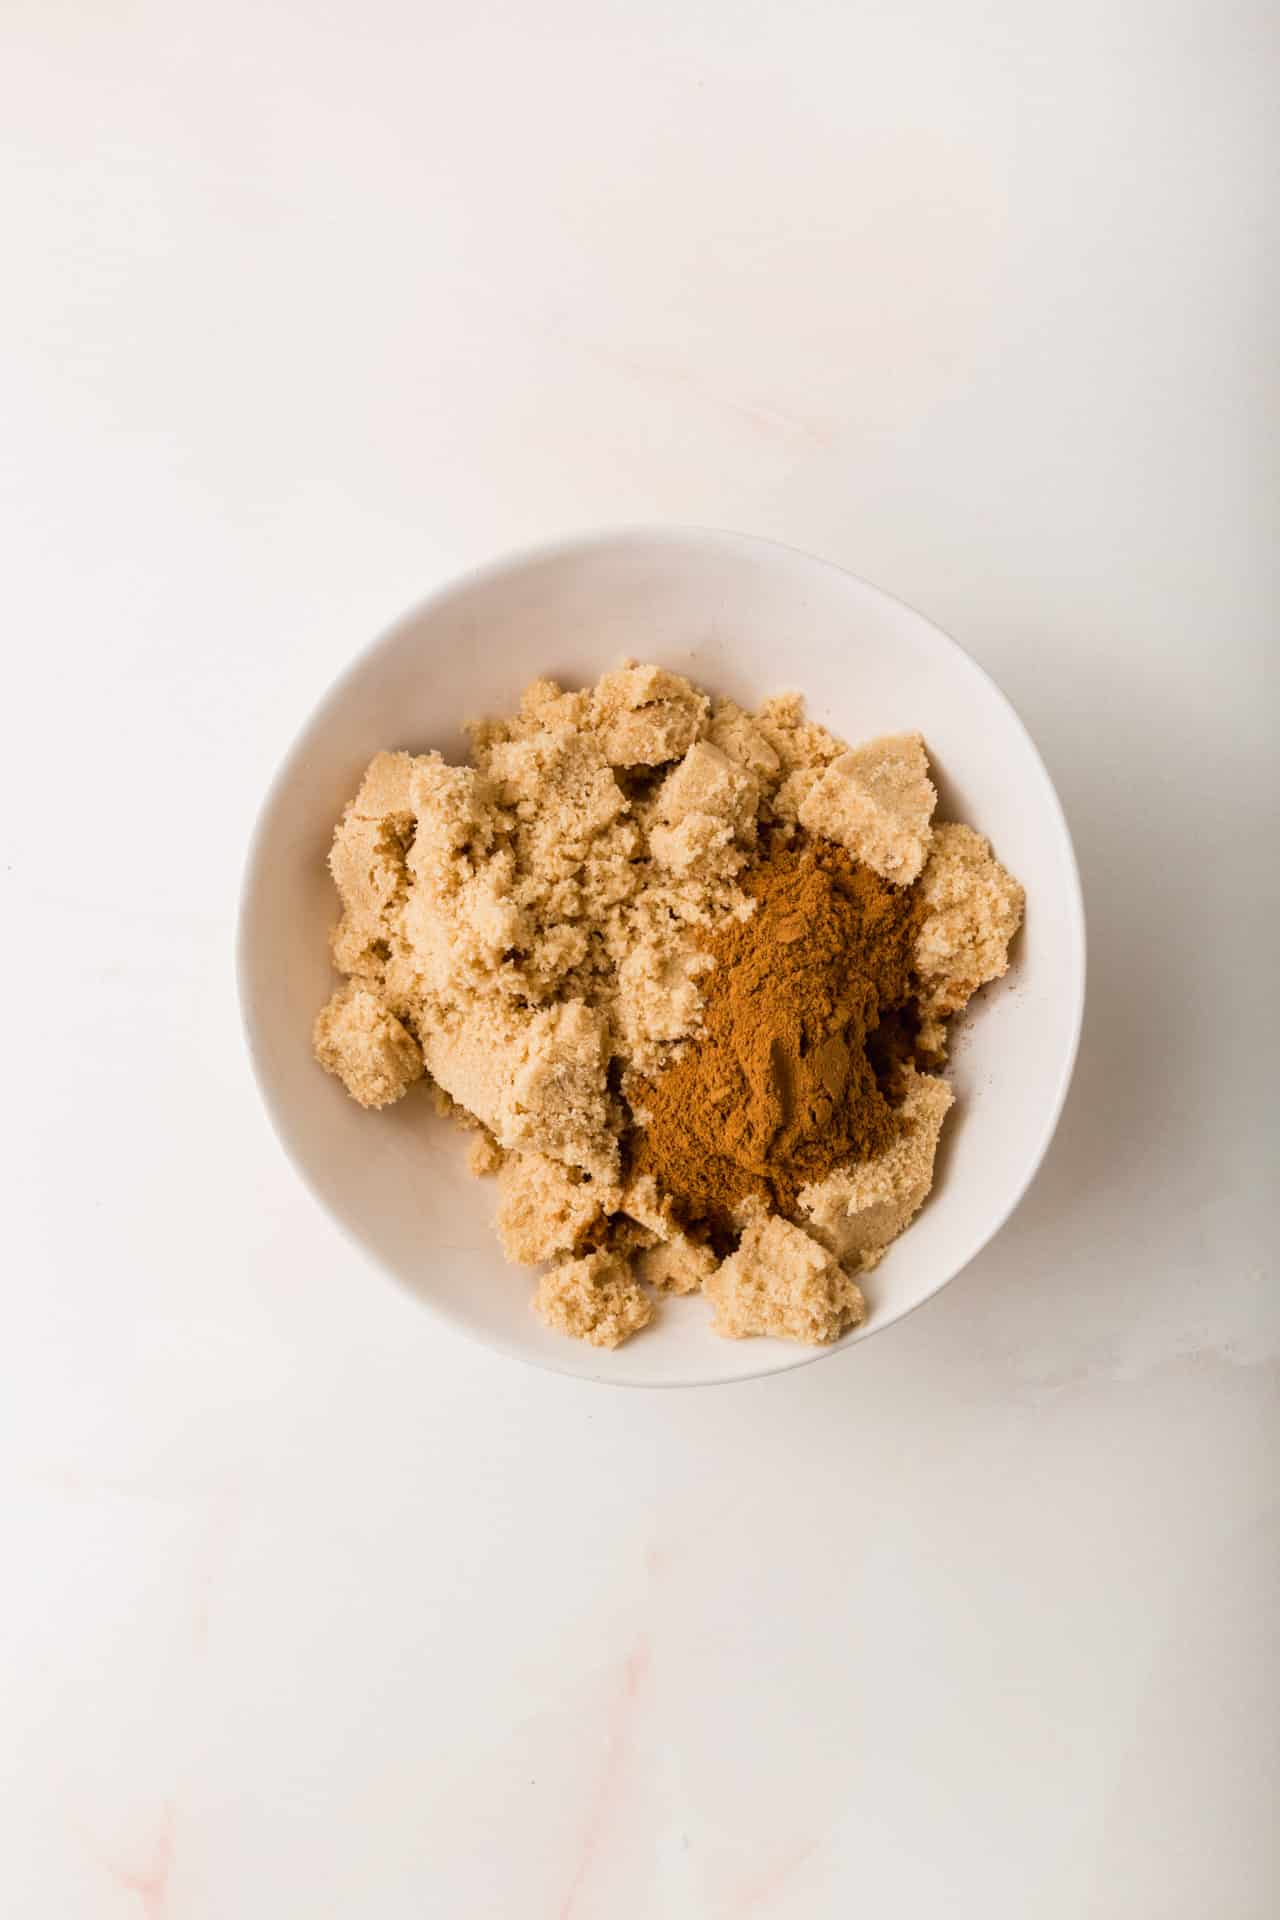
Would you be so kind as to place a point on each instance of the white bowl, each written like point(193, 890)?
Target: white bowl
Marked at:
point(745, 618)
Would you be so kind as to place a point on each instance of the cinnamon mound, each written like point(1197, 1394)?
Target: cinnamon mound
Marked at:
point(779, 1089)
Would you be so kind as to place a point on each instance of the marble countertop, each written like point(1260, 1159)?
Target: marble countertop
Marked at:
point(310, 1609)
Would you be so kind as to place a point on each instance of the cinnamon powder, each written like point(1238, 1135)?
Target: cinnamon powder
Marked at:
point(780, 1089)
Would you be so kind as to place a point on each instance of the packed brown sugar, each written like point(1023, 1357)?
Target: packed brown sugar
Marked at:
point(686, 971)
point(779, 1088)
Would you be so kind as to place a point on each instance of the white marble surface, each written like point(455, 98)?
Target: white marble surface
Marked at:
point(307, 1608)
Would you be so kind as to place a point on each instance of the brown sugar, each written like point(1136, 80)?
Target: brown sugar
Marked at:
point(677, 966)
point(971, 910)
point(779, 1089)
point(593, 1299)
point(374, 1056)
point(857, 1210)
point(781, 1281)
point(877, 801)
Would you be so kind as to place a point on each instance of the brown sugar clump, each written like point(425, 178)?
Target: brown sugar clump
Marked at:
point(593, 1299)
point(544, 1207)
point(971, 910)
point(781, 1282)
point(373, 1055)
point(779, 1089)
point(678, 1265)
point(857, 1210)
point(877, 801)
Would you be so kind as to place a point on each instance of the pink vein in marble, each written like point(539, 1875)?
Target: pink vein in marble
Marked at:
point(634, 1670)
point(151, 1882)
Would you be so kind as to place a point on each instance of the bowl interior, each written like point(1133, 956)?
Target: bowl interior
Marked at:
point(743, 618)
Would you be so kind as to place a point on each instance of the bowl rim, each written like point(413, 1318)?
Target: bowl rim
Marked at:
point(564, 547)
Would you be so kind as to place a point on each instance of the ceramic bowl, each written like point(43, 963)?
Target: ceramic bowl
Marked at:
point(744, 618)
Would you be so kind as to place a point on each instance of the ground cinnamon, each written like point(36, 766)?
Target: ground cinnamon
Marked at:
point(779, 1089)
